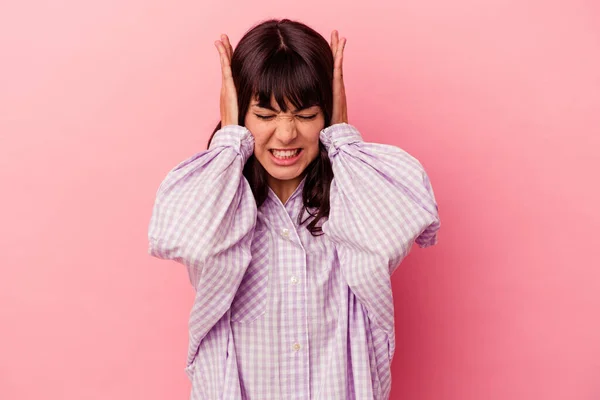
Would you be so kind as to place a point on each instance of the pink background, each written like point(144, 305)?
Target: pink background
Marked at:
point(500, 100)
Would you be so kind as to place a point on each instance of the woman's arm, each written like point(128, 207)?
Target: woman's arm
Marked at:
point(204, 214)
point(381, 202)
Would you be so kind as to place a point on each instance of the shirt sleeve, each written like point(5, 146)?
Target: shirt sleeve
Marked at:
point(204, 217)
point(381, 203)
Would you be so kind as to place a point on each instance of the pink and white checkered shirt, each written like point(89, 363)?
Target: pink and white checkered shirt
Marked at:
point(279, 313)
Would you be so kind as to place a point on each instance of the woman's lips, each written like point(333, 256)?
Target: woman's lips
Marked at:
point(284, 161)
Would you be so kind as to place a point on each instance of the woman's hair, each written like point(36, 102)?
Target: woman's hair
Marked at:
point(288, 60)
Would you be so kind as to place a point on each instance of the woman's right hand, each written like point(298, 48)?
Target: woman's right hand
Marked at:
point(229, 105)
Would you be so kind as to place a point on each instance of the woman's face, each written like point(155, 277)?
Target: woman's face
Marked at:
point(284, 143)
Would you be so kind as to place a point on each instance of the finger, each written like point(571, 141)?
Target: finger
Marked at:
point(339, 59)
point(221, 50)
point(222, 47)
point(225, 65)
point(334, 41)
point(228, 47)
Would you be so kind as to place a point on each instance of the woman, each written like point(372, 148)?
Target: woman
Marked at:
point(290, 226)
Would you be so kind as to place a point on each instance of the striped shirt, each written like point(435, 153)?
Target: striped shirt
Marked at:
point(280, 313)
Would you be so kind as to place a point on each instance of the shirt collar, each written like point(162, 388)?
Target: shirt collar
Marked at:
point(293, 205)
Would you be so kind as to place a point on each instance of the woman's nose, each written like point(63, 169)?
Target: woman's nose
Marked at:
point(286, 129)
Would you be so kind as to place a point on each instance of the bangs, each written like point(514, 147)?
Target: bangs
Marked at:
point(285, 75)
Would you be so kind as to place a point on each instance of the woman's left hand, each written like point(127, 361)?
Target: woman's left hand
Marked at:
point(340, 109)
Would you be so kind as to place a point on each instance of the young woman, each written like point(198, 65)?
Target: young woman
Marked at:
point(290, 226)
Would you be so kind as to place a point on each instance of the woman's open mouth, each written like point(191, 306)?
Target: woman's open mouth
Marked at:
point(286, 156)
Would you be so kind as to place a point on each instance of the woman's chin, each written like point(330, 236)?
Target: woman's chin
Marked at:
point(284, 177)
point(284, 174)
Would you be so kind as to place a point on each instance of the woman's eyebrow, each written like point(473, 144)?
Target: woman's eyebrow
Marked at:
point(303, 109)
point(267, 107)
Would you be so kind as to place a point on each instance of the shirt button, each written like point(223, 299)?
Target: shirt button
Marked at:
point(296, 346)
point(285, 233)
point(294, 280)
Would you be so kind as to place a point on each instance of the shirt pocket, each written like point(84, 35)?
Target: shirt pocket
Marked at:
point(251, 298)
point(320, 257)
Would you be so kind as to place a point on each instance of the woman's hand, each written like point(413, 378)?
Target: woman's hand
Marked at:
point(229, 105)
point(340, 110)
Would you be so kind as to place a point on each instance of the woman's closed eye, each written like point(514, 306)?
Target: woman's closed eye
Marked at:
point(302, 117)
point(307, 117)
point(265, 117)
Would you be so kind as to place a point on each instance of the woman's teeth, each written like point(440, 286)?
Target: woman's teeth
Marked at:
point(285, 153)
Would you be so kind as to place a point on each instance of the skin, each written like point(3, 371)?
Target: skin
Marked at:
point(275, 130)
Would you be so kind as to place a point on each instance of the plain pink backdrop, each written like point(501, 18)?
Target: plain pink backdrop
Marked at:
point(500, 100)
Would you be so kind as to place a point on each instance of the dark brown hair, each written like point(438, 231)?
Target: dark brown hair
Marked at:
point(288, 60)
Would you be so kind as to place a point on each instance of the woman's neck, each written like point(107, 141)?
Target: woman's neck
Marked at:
point(284, 189)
